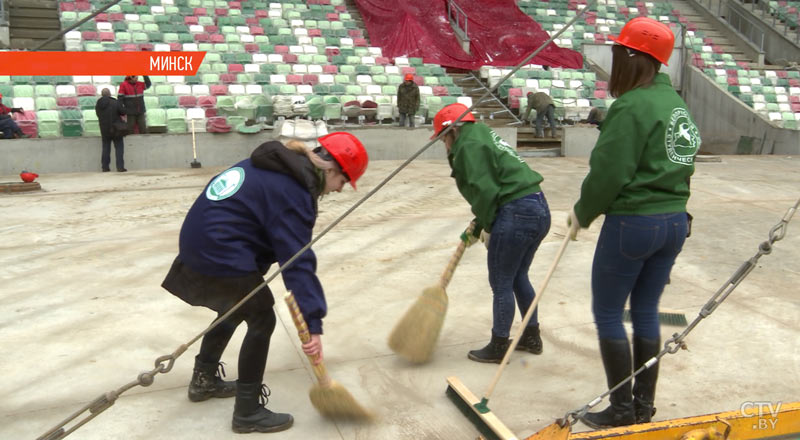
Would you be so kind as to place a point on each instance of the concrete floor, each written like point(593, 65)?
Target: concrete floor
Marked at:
point(83, 312)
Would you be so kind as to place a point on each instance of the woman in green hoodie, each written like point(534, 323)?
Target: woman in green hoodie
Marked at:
point(505, 197)
point(639, 178)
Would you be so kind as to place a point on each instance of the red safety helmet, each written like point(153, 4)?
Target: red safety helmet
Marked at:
point(28, 177)
point(349, 153)
point(649, 36)
point(448, 114)
point(409, 77)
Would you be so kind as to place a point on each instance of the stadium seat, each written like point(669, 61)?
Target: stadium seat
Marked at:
point(91, 126)
point(49, 123)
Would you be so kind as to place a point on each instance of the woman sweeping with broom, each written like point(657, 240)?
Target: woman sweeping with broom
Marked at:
point(505, 197)
point(259, 212)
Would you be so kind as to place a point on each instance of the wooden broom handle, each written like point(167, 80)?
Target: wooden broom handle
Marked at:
point(302, 331)
point(447, 275)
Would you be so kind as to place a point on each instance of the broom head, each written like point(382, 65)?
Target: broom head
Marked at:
point(335, 402)
point(416, 333)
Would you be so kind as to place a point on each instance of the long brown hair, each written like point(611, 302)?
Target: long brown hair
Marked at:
point(630, 69)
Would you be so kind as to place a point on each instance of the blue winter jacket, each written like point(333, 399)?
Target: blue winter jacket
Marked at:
point(260, 211)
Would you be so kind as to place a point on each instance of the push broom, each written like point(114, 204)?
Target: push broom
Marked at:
point(478, 410)
point(415, 335)
point(329, 397)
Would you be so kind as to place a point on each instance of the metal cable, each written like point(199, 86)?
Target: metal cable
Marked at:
point(145, 379)
point(676, 342)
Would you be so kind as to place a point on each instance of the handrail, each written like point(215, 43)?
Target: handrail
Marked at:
point(458, 19)
point(765, 11)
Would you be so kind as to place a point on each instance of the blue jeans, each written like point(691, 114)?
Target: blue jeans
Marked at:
point(634, 256)
point(550, 115)
point(519, 227)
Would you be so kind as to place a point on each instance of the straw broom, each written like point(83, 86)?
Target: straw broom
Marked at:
point(415, 335)
point(329, 397)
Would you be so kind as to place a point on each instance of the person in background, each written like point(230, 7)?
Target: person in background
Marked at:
point(504, 194)
point(407, 101)
point(109, 116)
point(639, 178)
point(258, 213)
point(543, 104)
point(8, 125)
point(131, 94)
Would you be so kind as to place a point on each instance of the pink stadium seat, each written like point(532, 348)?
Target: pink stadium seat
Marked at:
point(440, 91)
point(129, 47)
point(262, 13)
point(782, 74)
point(146, 47)
point(289, 58)
point(251, 48)
point(235, 5)
point(67, 6)
point(795, 107)
point(101, 17)
point(202, 38)
point(200, 11)
point(211, 29)
point(601, 85)
point(330, 68)
point(218, 89)
point(313, 32)
point(116, 16)
point(140, 2)
point(332, 51)
point(86, 90)
point(332, 16)
point(281, 49)
point(67, 102)
point(418, 80)
point(107, 36)
point(310, 79)
point(294, 79)
point(251, 21)
point(794, 99)
point(90, 35)
point(407, 69)
point(354, 33)
point(83, 6)
point(235, 68)
point(217, 124)
point(732, 72)
point(226, 78)
point(340, 8)
point(221, 12)
point(217, 38)
point(382, 61)
point(187, 101)
point(175, 47)
point(360, 42)
point(189, 20)
point(256, 30)
point(206, 101)
point(733, 81)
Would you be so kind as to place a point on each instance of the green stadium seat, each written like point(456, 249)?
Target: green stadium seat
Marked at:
point(45, 103)
point(91, 126)
point(71, 125)
point(87, 102)
point(49, 123)
point(168, 101)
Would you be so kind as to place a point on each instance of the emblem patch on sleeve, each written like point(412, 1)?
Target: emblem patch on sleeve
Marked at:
point(226, 184)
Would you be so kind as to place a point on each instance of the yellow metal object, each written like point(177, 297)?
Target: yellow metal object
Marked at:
point(552, 432)
point(750, 422)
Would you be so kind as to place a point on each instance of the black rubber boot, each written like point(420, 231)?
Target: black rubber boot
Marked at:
point(616, 356)
point(644, 385)
point(492, 353)
point(531, 340)
point(250, 414)
point(207, 382)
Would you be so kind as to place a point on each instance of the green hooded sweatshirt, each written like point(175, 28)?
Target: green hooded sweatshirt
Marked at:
point(644, 156)
point(489, 173)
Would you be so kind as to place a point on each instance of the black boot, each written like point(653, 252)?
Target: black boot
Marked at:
point(492, 353)
point(531, 340)
point(644, 386)
point(207, 382)
point(250, 414)
point(616, 356)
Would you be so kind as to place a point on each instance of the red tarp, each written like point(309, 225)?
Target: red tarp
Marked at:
point(500, 33)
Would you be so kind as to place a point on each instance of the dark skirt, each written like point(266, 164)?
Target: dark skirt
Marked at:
point(217, 293)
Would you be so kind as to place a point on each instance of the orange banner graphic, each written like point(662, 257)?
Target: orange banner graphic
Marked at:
point(100, 63)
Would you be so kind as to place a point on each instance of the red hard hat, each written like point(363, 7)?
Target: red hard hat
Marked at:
point(448, 114)
point(349, 153)
point(28, 177)
point(649, 36)
point(409, 77)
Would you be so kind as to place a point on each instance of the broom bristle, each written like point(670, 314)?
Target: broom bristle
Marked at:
point(416, 333)
point(335, 402)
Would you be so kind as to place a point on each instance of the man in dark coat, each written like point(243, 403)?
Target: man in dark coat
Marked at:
point(109, 114)
point(407, 100)
point(131, 94)
point(8, 126)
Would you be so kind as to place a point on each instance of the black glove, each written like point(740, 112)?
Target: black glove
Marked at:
point(17, 110)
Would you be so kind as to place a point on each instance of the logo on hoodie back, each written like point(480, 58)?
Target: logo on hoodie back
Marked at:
point(682, 139)
point(226, 184)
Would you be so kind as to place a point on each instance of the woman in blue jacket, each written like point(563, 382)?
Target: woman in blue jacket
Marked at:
point(259, 212)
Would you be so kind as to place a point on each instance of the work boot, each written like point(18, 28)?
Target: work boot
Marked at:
point(492, 353)
point(644, 385)
point(531, 340)
point(616, 356)
point(207, 382)
point(250, 413)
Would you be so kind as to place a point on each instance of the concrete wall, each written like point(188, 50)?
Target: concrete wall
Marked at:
point(723, 120)
point(708, 10)
point(600, 54)
point(155, 151)
point(578, 140)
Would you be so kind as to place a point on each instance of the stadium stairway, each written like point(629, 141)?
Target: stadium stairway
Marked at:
point(31, 22)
